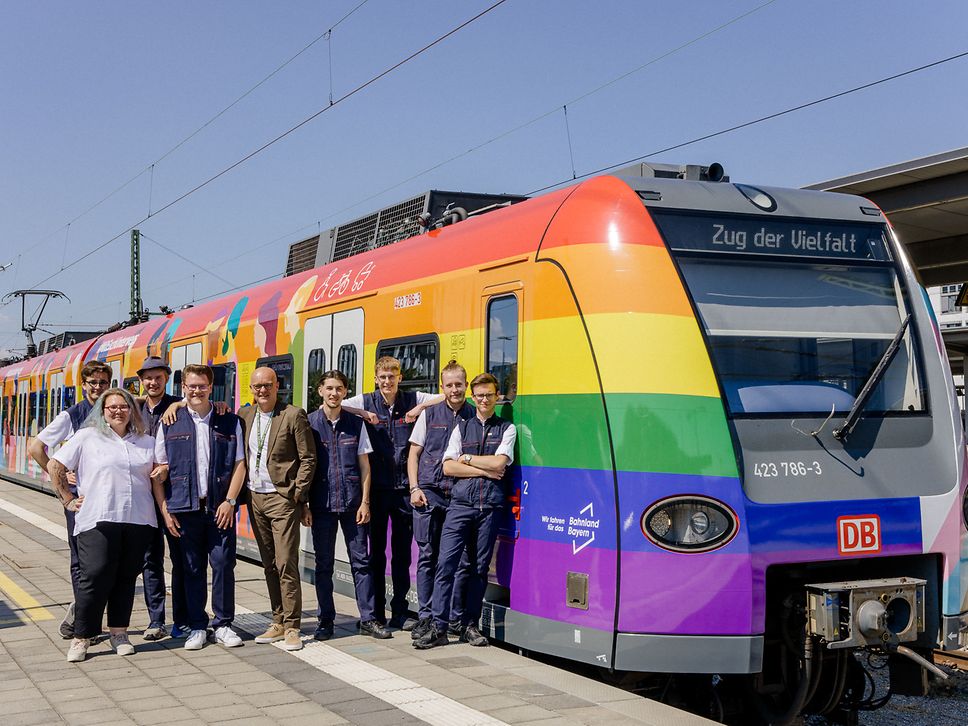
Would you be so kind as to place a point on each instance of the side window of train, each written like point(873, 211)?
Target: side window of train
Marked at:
point(316, 366)
point(418, 360)
point(502, 344)
point(133, 385)
point(223, 388)
point(282, 365)
point(346, 363)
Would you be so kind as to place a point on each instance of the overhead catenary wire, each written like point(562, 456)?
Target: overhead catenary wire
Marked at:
point(280, 137)
point(151, 167)
point(761, 119)
point(507, 132)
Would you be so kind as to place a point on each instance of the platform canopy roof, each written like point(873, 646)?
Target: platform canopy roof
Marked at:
point(927, 202)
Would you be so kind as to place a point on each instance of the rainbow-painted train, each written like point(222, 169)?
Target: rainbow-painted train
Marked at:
point(739, 448)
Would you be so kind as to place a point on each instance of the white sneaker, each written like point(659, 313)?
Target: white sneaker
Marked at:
point(196, 640)
point(121, 644)
point(78, 650)
point(227, 637)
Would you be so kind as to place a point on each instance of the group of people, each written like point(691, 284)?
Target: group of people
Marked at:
point(135, 473)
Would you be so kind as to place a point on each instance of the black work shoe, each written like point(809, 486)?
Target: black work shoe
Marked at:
point(375, 629)
point(432, 639)
point(400, 621)
point(421, 628)
point(456, 627)
point(409, 624)
point(324, 631)
point(472, 636)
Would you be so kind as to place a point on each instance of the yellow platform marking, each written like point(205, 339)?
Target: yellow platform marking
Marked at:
point(26, 604)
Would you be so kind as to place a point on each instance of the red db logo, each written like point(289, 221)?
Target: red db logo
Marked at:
point(859, 534)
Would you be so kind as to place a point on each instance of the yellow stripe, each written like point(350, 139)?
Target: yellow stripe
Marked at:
point(25, 603)
point(636, 353)
point(646, 353)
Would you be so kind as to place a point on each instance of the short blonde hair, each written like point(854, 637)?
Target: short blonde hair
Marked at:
point(387, 363)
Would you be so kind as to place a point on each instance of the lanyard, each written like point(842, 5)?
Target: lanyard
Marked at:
point(260, 437)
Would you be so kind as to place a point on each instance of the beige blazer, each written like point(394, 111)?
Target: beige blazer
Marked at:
point(291, 451)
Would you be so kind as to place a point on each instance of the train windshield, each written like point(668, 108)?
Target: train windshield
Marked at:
point(794, 332)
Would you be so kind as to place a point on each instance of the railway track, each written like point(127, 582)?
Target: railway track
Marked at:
point(951, 658)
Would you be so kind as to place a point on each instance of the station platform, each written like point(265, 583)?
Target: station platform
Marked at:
point(349, 679)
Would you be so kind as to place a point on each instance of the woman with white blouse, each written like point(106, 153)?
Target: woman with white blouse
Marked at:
point(115, 515)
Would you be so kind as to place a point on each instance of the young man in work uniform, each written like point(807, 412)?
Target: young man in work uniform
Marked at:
point(206, 471)
point(340, 497)
point(430, 492)
point(154, 376)
point(95, 379)
point(478, 453)
point(389, 414)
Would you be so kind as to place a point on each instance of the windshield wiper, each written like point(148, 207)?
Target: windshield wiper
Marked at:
point(844, 430)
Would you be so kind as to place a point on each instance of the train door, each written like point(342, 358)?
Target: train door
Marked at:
point(179, 357)
point(331, 341)
point(23, 424)
point(347, 347)
point(116, 377)
point(502, 310)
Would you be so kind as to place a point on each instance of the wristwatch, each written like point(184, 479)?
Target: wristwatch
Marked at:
point(232, 501)
point(467, 459)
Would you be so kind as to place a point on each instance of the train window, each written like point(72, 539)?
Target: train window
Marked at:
point(502, 344)
point(133, 385)
point(803, 338)
point(42, 411)
point(31, 414)
point(346, 364)
point(418, 360)
point(315, 367)
point(70, 396)
point(223, 387)
point(282, 365)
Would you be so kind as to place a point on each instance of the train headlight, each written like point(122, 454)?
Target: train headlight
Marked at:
point(689, 524)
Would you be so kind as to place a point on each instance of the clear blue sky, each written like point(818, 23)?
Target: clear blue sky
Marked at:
point(94, 93)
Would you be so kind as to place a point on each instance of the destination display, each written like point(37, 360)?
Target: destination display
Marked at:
point(788, 238)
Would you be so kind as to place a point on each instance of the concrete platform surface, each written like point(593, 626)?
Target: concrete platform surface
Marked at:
point(349, 679)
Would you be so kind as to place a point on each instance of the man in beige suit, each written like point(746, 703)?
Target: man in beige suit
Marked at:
point(281, 460)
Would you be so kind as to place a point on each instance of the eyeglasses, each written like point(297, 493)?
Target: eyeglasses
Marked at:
point(260, 386)
point(118, 408)
point(197, 387)
point(484, 396)
point(97, 383)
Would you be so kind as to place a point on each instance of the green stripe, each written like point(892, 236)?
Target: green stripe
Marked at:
point(652, 432)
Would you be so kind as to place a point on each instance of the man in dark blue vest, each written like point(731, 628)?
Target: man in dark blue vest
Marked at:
point(340, 497)
point(389, 414)
point(478, 453)
point(95, 380)
point(154, 376)
point(430, 492)
point(206, 470)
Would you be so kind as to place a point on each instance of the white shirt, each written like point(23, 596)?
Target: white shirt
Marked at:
point(113, 475)
point(58, 430)
point(203, 448)
point(455, 450)
point(259, 479)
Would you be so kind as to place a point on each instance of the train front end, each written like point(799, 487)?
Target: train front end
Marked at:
point(842, 528)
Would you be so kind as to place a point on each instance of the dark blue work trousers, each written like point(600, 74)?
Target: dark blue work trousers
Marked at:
point(391, 507)
point(72, 546)
point(324, 544)
point(428, 522)
point(153, 577)
point(475, 529)
point(202, 543)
